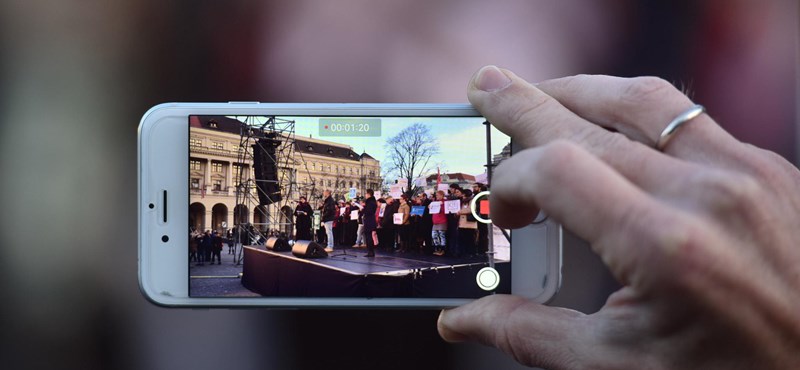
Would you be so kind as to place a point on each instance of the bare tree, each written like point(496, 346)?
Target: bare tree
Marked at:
point(410, 151)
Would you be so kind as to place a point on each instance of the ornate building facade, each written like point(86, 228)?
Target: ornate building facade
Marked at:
point(214, 173)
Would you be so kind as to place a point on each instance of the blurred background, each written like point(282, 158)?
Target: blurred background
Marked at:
point(76, 77)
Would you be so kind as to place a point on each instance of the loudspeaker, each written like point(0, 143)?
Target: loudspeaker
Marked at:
point(278, 244)
point(308, 249)
point(266, 170)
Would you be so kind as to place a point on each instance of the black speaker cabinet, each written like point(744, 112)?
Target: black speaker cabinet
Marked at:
point(308, 249)
point(278, 244)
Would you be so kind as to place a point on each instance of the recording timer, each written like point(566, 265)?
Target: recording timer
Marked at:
point(350, 127)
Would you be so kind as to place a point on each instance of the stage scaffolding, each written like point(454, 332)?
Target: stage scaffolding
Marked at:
point(276, 217)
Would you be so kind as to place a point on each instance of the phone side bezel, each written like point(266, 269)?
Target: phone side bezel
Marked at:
point(167, 292)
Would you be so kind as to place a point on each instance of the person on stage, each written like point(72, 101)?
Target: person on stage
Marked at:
point(370, 221)
point(302, 223)
point(328, 209)
point(404, 227)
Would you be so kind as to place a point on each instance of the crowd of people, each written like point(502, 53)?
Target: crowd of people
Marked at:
point(371, 223)
point(205, 247)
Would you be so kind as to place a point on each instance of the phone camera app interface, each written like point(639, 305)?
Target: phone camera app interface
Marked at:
point(290, 206)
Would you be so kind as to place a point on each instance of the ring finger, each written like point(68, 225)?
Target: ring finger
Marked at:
point(640, 108)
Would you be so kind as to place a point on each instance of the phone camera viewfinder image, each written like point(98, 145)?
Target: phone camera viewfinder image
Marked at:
point(367, 207)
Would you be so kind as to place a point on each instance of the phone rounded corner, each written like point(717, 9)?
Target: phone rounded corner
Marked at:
point(153, 111)
point(153, 297)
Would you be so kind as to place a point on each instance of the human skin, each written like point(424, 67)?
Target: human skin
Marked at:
point(704, 235)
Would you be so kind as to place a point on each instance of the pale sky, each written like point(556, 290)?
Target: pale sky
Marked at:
point(462, 140)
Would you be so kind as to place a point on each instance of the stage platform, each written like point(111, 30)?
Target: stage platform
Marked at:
point(410, 275)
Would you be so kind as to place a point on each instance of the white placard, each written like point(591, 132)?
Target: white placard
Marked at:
point(354, 215)
point(398, 218)
point(395, 191)
point(443, 187)
point(482, 178)
point(452, 206)
point(383, 208)
point(403, 182)
point(376, 194)
point(352, 193)
point(420, 181)
point(435, 207)
point(341, 211)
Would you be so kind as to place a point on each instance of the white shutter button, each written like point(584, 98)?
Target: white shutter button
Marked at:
point(487, 278)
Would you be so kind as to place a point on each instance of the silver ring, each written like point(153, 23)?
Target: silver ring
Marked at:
point(684, 117)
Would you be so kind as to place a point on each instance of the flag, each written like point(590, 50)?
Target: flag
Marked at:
point(438, 177)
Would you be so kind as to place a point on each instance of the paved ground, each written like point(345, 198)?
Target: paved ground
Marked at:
point(217, 280)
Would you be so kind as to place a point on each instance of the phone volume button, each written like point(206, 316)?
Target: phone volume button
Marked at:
point(243, 102)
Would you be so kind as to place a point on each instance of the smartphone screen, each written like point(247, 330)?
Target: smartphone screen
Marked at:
point(309, 206)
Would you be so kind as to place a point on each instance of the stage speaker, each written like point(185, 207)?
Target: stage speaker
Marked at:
point(266, 170)
point(276, 244)
point(308, 249)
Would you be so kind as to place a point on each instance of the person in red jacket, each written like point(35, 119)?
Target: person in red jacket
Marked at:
point(439, 226)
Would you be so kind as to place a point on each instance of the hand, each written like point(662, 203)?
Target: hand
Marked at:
point(704, 236)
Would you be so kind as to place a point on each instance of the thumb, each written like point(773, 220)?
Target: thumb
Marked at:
point(535, 335)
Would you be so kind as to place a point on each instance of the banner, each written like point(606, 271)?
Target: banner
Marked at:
point(417, 210)
point(435, 207)
point(352, 193)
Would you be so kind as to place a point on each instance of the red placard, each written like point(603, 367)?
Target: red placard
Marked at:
point(484, 207)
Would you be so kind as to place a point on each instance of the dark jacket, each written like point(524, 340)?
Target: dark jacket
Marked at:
point(328, 209)
point(370, 208)
point(388, 215)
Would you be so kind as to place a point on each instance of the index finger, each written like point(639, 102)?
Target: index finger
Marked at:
point(592, 200)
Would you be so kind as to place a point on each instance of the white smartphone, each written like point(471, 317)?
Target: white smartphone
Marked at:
point(330, 205)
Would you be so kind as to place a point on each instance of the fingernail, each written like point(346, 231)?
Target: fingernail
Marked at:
point(491, 79)
point(445, 332)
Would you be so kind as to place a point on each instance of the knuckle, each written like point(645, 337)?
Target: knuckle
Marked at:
point(524, 114)
point(555, 156)
point(729, 192)
point(646, 90)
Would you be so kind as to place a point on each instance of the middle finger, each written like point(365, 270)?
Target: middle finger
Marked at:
point(533, 118)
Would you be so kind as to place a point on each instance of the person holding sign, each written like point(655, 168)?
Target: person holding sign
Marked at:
point(404, 210)
point(388, 232)
point(439, 228)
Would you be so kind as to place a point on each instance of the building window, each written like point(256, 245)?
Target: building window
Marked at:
point(217, 145)
point(351, 185)
point(330, 183)
point(195, 183)
point(217, 185)
point(194, 165)
point(195, 141)
point(216, 167)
